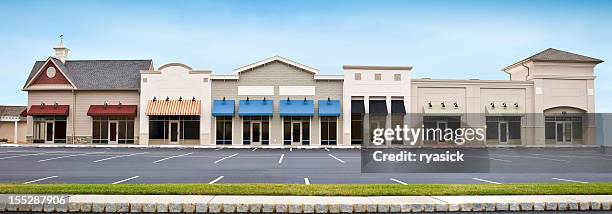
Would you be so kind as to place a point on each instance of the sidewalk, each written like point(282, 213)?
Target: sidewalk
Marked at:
point(317, 204)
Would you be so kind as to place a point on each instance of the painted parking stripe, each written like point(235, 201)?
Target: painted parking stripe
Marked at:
point(280, 160)
point(487, 181)
point(124, 180)
point(217, 149)
point(398, 181)
point(215, 181)
point(16, 156)
point(502, 160)
point(42, 179)
point(119, 156)
point(290, 149)
point(176, 156)
point(338, 159)
point(542, 158)
point(225, 158)
point(306, 181)
point(326, 149)
point(568, 180)
point(254, 149)
point(67, 156)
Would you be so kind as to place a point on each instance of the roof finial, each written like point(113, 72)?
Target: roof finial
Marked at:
point(61, 40)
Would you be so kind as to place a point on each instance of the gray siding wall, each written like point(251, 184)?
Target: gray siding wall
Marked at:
point(277, 74)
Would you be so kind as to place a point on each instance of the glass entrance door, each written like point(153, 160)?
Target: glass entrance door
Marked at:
point(442, 125)
point(296, 134)
point(503, 132)
point(112, 132)
point(256, 132)
point(564, 132)
point(49, 132)
point(174, 132)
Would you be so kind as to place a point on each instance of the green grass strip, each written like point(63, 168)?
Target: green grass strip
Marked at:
point(313, 190)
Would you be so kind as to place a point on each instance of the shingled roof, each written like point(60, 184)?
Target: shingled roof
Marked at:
point(554, 55)
point(11, 111)
point(99, 74)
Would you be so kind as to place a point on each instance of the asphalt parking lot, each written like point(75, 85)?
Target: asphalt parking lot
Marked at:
point(291, 166)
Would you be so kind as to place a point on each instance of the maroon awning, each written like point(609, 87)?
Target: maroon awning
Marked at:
point(112, 110)
point(49, 110)
point(24, 113)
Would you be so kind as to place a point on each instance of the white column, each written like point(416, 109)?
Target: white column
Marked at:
point(16, 133)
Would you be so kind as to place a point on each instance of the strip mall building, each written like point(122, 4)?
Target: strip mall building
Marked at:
point(280, 102)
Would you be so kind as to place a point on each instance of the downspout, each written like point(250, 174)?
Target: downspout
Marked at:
point(73, 114)
point(528, 72)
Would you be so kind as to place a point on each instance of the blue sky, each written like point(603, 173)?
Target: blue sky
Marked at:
point(441, 39)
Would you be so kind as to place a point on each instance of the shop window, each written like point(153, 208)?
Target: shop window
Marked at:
point(224, 130)
point(329, 130)
point(174, 128)
point(113, 129)
point(356, 129)
point(49, 129)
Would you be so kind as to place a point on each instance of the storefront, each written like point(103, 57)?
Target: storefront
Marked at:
point(49, 123)
point(174, 121)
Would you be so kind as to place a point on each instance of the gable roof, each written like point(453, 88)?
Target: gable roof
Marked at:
point(554, 55)
point(98, 74)
point(280, 59)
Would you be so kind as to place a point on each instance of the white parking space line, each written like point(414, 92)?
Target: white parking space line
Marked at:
point(542, 158)
point(225, 158)
point(487, 181)
point(502, 160)
point(568, 180)
point(338, 159)
point(176, 156)
point(280, 160)
point(124, 180)
point(67, 156)
point(254, 149)
point(306, 181)
point(215, 181)
point(398, 181)
point(326, 149)
point(16, 156)
point(290, 149)
point(119, 156)
point(42, 179)
point(217, 149)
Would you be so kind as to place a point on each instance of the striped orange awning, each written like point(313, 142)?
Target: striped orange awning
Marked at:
point(173, 107)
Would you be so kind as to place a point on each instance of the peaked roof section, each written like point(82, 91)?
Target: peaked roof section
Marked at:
point(276, 58)
point(98, 74)
point(554, 55)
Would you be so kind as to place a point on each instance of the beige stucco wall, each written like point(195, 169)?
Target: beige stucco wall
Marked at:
point(277, 74)
point(7, 131)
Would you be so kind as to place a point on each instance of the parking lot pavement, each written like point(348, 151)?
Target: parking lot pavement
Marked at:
point(292, 166)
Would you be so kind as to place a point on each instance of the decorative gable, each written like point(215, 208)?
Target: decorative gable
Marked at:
point(50, 74)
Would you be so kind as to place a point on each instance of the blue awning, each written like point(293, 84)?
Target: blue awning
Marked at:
point(300, 108)
point(255, 108)
point(223, 108)
point(329, 108)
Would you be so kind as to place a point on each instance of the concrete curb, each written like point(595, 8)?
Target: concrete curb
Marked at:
point(317, 204)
